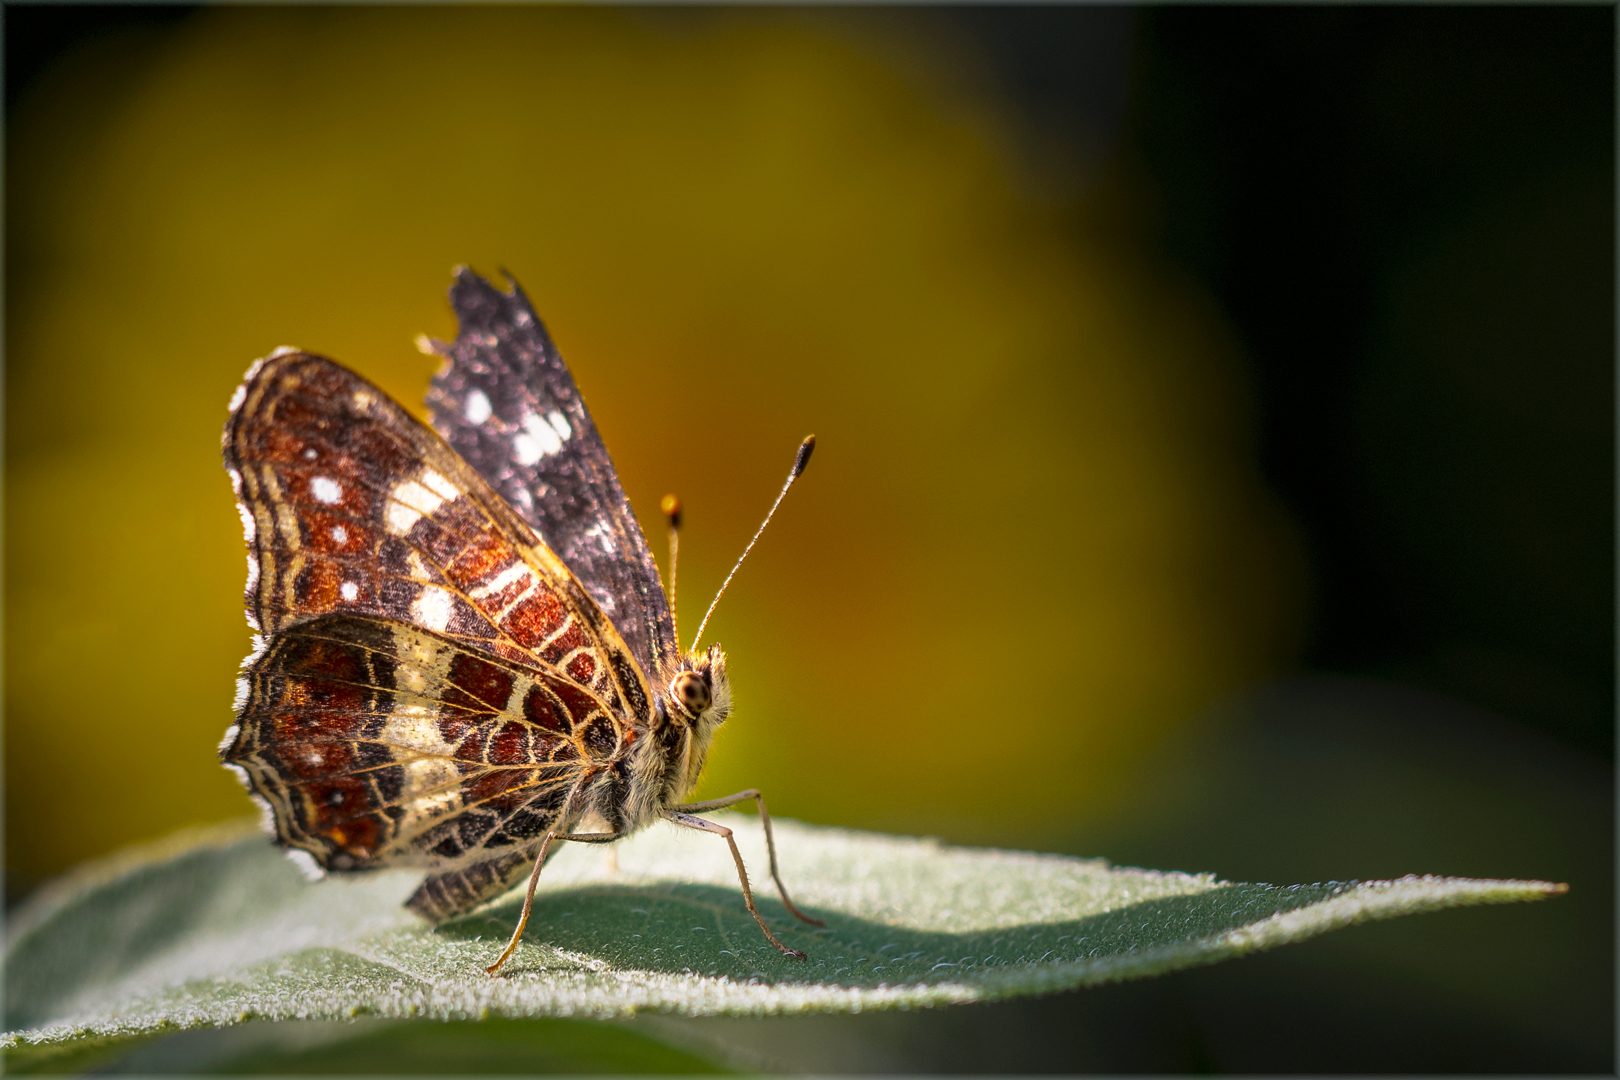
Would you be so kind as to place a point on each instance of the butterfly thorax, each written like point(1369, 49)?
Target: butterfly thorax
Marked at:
point(665, 763)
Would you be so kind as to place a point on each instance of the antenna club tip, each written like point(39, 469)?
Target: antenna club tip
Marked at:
point(670, 505)
point(806, 448)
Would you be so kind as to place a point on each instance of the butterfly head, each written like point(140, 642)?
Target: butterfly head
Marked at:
point(699, 694)
point(696, 704)
point(697, 698)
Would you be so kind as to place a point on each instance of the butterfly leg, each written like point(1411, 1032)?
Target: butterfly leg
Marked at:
point(770, 841)
point(742, 873)
point(534, 880)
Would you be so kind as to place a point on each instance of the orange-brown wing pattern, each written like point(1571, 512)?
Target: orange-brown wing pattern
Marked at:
point(379, 743)
point(351, 505)
point(429, 681)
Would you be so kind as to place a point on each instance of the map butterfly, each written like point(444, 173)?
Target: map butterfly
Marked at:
point(463, 653)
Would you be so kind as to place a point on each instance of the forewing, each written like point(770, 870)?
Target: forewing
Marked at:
point(374, 742)
point(350, 505)
point(507, 403)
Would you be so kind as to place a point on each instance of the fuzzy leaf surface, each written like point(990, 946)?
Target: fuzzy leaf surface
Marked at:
point(217, 928)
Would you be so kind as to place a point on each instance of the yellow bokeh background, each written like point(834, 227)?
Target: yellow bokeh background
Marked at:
point(1032, 546)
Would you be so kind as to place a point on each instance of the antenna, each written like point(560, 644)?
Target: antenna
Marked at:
point(671, 506)
point(800, 460)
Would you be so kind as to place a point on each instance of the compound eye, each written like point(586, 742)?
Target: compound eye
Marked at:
point(691, 692)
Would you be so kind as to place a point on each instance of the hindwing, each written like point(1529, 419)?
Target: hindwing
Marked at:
point(375, 742)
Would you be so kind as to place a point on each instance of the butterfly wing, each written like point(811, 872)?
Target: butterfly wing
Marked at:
point(349, 504)
point(507, 403)
point(378, 743)
point(430, 679)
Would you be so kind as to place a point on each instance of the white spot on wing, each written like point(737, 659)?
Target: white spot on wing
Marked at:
point(239, 772)
point(559, 424)
point(349, 590)
point(412, 733)
point(408, 502)
point(516, 572)
point(250, 528)
point(238, 396)
point(537, 440)
point(399, 518)
point(415, 728)
point(439, 484)
point(325, 490)
point(431, 786)
point(231, 732)
point(253, 574)
point(340, 535)
point(478, 408)
point(604, 538)
point(432, 608)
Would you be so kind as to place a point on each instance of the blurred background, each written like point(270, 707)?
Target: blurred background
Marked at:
point(1216, 444)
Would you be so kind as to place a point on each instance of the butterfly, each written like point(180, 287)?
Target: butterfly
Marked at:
point(463, 654)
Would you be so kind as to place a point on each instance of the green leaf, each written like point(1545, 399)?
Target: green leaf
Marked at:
point(216, 928)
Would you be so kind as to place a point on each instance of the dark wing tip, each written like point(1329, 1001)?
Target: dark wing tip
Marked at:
point(469, 281)
point(483, 306)
point(472, 294)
